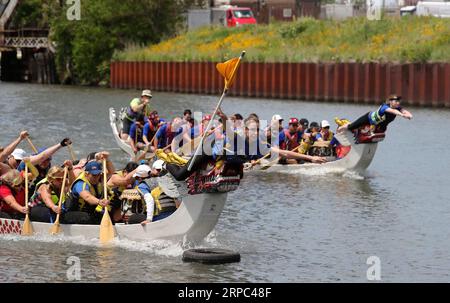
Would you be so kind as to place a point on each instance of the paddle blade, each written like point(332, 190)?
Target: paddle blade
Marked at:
point(266, 167)
point(228, 70)
point(56, 228)
point(106, 229)
point(27, 228)
point(72, 155)
point(269, 164)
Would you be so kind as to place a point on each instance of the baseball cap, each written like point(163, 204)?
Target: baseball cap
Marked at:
point(314, 124)
point(93, 167)
point(293, 121)
point(207, 118)
point(325, 123)
point(277, 118)
point(304, 122)
point(158, 164)
point(19, 154)
point(142, 171)
point(147, 93)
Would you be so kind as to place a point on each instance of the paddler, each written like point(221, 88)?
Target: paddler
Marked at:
point(137, 106)
point(45, 200)
point(85, 195)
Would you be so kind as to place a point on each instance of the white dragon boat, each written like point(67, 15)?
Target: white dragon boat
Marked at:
point(190, 223)
point(116, 126)
point(356, 160)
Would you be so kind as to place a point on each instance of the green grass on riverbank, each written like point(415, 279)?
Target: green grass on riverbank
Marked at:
point(407, 39)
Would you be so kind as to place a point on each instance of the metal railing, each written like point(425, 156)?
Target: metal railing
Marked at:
point(24, 38)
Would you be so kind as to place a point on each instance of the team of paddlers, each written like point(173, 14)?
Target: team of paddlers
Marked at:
point(29, 184)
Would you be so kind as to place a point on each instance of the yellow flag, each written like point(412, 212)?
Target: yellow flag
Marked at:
point(228, 70)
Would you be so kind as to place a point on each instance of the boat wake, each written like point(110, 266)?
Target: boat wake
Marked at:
point(164, 248)
point(353, 175)
point(323, 171)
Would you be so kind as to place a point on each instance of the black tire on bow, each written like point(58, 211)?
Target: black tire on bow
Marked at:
point(211, 255)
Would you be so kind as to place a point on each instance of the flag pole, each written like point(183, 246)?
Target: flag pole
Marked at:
point(225, 90)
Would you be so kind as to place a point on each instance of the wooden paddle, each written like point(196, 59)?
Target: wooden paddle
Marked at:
point(106, 227)
point(72, 155)
point(32, 145)
point(142, 156)
point(268, 165)
point(257, 161)
point(56, 228)
point(27, 229)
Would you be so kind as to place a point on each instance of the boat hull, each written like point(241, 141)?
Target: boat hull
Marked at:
point(190, 223)
point(116, 125)
point(357, 160)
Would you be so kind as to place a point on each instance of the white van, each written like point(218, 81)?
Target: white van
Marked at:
point(426, 8)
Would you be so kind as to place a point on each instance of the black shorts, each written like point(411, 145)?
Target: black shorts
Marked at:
point(126, 126)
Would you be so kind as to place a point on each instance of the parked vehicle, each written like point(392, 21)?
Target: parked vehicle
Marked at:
point(426, 8)
point(231, 16)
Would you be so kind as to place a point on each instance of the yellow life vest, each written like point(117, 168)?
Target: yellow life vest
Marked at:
point(304, 147)
point(120, 188)
point(36, 198)
point(163, 203)
point(92, 190)
point(137, 204)
point(330, 136)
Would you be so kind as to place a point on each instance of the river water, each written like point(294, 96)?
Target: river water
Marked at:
point(314, 227)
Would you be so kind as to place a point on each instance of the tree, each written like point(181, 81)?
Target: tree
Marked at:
point(85, 47)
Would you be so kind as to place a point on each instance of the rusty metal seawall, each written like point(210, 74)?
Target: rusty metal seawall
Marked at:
point(420, 84)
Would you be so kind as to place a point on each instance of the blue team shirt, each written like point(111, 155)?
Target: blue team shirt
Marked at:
point(319, 135)
point(78, 188)
point(161, 135)
point(281, 138)
point(381, 111)
point(142, 186)
point(132, 133)
point(334, 142)
point(21, 166)
point(250, 152)
point(195, 131)
point(147, 130)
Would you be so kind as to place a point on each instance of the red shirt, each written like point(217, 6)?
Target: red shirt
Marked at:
point(5, 192)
